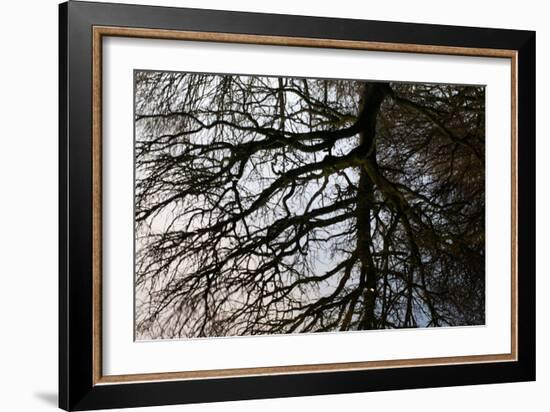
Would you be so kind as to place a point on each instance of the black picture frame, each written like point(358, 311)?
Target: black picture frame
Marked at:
point(77, 390)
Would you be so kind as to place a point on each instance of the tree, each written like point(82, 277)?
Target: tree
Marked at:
point(280, 205)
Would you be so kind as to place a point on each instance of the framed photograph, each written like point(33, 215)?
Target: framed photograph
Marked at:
point(257, 206)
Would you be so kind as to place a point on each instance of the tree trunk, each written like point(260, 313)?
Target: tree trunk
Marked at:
point(372, 97)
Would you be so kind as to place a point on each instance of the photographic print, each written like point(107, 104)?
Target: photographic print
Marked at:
point(276, 205)
point(240, 193)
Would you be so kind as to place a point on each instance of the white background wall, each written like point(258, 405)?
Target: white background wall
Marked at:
point(28, 203)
